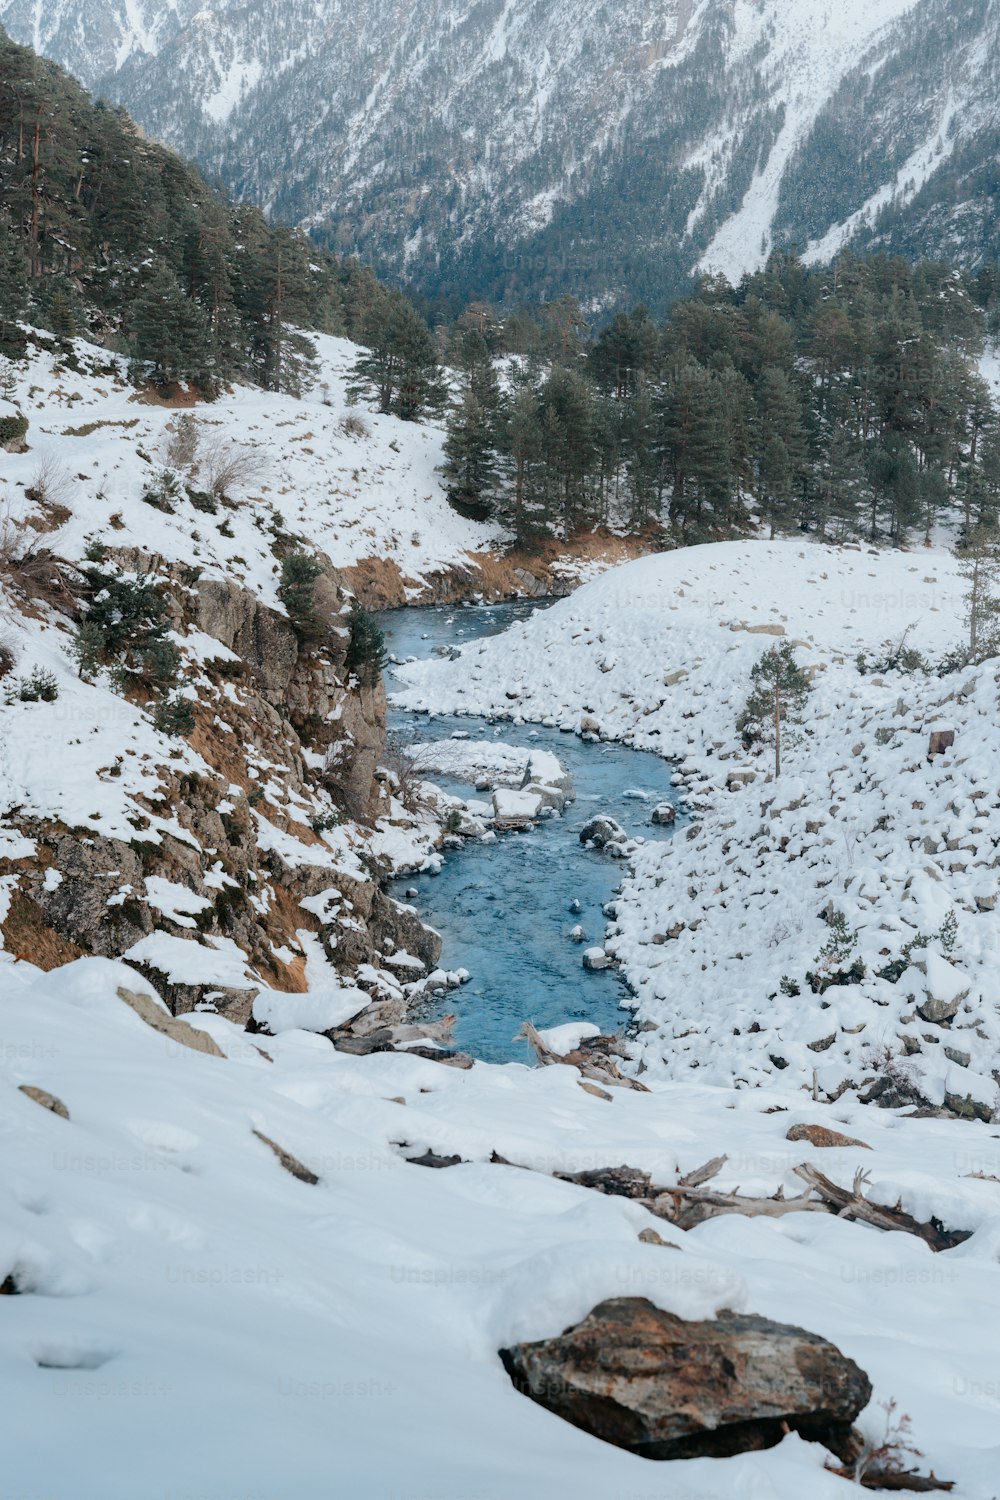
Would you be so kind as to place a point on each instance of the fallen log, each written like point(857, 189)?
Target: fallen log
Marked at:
point(849, 1203)
point(880, 1479)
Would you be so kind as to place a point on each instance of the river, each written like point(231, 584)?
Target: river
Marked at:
point(506, 909)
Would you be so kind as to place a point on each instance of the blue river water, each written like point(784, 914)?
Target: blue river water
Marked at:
point(506, 909)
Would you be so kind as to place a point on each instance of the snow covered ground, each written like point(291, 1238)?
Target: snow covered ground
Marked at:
point(718, 929)
point(202, 1324)
point(355, 495)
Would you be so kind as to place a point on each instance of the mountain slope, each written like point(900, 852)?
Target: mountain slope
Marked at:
point(509, 148)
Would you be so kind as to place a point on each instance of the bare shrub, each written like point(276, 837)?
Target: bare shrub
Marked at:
point(7, 660)
point(405, 779)
point(225, 466)
point(51, 484)
point(888, 1464)
point(354, 425)
point(182, 444)
point(19, 544)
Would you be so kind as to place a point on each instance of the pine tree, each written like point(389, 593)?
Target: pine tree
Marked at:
point(838, 491)
point(778, 695)
point(523, 443)
point(780, 445)
point(13, 289)
point(399, 369)
point(171, 339)
point(470, 463)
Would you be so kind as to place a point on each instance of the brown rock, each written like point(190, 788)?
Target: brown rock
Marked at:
point(651, 1237)
point(288, 1161)
point(46, 1100)
point(940, 741)
point(663, 1388)
point(821, 1135)
point(147, 1010)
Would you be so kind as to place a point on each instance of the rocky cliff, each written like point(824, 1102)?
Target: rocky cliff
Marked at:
point(252, 857)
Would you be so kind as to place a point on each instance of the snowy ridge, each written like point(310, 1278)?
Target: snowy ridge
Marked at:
point(658, 654)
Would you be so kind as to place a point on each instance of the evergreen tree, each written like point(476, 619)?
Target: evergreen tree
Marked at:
point(837, 494)
point(399, 369)
point(523, 443)
point(778, 696)
point(13, 289)
point(171, 339)
point(470, 464)
point(780, 447)
point(980, 568)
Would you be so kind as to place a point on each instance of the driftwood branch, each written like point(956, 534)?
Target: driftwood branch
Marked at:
point(689, 1203)
point(704, 1174)
point(849, 1203)
point(593, 1058)
point(879, 1479)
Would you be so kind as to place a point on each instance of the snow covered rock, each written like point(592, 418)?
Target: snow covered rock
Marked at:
point(516, 810)
point(666, 1388)
point(602, 831)
point(595, 959)
point(944, 987)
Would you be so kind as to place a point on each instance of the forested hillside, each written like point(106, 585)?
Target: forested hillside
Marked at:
point(847, 401)
point(531, 148)
point(109, 236)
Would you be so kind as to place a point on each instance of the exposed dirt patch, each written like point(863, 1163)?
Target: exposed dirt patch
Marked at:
point(555, 568)
point(27, 935)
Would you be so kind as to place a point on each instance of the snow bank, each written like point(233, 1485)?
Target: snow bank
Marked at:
point(175, 1279)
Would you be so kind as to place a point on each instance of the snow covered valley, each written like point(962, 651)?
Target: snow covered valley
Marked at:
point(225, 1269)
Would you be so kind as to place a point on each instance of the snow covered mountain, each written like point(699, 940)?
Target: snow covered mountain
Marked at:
point(533, 147)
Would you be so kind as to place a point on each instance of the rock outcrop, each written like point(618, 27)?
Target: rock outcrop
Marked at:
point(291, 742)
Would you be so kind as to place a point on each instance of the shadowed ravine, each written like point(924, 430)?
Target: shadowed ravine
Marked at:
point(505, 909)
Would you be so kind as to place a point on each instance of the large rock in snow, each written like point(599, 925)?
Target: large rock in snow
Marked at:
point(662, 1387)
point(944, 987)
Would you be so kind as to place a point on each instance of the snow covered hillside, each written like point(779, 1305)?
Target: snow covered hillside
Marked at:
point(450, 142)
point(357, 485)
point(332, 1315)
point(718, 930)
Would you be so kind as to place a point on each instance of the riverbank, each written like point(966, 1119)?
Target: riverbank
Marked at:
point(723, 932)
point(552, 570)
point(519, 910)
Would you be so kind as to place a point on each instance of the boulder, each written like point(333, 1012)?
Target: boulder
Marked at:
point(944, 987)
point(940, 741)
point(596, 959)
point(666, 1388)
point(601, 831)
point(664, 815)
point(152, 1012)
point(515, 810)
